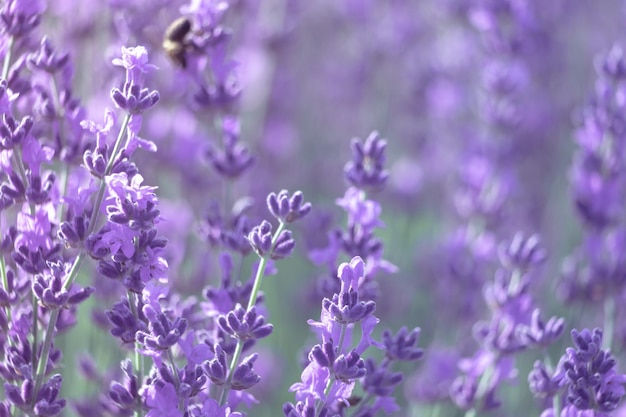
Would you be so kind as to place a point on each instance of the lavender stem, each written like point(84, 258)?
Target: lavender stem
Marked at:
point(253, 296)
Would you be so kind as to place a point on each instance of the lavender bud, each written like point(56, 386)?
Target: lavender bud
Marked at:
point(125, 326)
point(540, 333)
point(402, 346)
point(287, 209)
point(261, 238)
point(46, 58)
point(134, 99)
point(11, 132)
point(244, 325)
point(522, 253)
point(284, 245)
point(347, 308)
point(349, 367)
point(234, 159)
point(591, 377)
point(380, 381)
point(366, 170)
point(162, 333)
point(323, 354)
point(243, 376)
point(217, 368)
point(541, 384)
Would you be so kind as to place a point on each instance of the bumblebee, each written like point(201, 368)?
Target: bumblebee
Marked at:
point(175, 41)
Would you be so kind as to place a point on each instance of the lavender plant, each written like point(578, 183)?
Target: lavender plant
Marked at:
point(176, 282)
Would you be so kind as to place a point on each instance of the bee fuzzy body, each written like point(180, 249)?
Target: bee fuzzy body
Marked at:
point(175, 41)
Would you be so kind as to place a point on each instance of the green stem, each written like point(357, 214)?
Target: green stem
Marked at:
point(54, 316)
point(133, 310)
point(64, 183)
point(35, 333)
point(5, 282)
point(118, 143)
point(253, 296)
point(481, 390)
point(342, 337)
point(45, 352)
point(609, 323)
point(17, 156)
point(7, 58)
point(57, 98)
point(138, 362)
point(514, 283)
point(231, 369)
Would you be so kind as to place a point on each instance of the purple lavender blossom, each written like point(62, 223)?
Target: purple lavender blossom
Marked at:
point(473, 87)
point(287, 209)
point(263, 242)
point(234, 159)
point(334, 367)
point(50, 292)
point(244, 325)
point(162, 333)
point(591, 377)
point(366, 170)
point(542, 383)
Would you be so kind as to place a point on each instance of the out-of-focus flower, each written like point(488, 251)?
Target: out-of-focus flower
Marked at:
point(366, 170)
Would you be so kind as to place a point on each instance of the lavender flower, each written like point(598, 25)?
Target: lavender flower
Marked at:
point(540, 333)
point(234, 159)
point(542, 384)
point(21, 17)
point(83, 214)
point(47, 59)
point(591, 377)
point(264, 242)
point(161, 333)
point(334, 367)
point(366, 170)
point(50, 292)
point(287, 209)
point(401, 347)
point(244, 325)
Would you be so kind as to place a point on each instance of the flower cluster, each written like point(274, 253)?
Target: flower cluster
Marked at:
point(336, 364)
point(179, 193)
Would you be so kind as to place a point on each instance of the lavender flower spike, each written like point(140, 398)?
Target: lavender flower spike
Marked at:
point(591, 377)
point(366, 170)
point(135, 61)
point(132, 97)
point(288, 209)
point(402, 346)
point(245, 325)
point(523, 252)
point(540, 333)
point(261, 240)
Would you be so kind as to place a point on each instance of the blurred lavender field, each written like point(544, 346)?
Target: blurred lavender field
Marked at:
point(452, 241)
